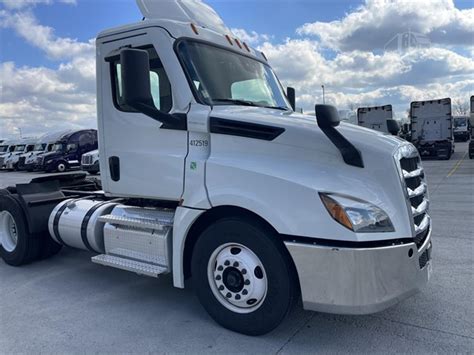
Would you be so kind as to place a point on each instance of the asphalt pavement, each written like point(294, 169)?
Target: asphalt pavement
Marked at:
point(68, 304)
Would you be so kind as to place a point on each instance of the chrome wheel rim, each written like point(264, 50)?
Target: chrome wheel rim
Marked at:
point(8, 231)
point(237, 278)
point(61, 167)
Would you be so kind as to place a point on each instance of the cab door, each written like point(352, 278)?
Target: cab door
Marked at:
point(139, 157)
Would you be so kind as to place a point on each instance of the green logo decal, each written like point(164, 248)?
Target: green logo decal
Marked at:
point(193, 165)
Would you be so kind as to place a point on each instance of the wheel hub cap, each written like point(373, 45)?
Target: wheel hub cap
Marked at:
point(8, 231)
point(237, 278)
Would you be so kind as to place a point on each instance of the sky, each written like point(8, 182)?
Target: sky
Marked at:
point(353, 48)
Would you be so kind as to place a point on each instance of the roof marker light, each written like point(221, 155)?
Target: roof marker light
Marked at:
point(238, 43)
point(194, 28)
point(246, 47)
point(229, 40)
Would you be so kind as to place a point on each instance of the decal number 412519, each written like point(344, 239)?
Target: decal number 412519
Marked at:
point(199, 143)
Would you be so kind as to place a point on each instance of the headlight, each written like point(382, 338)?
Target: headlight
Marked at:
point(357, 215)
point(49, 161)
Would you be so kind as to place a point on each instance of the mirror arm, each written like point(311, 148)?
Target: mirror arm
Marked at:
point(169, 121)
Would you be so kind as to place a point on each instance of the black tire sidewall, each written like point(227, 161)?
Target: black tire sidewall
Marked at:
point(280, 292)
point(23, 250)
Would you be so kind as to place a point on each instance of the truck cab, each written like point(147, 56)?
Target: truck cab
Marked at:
point(67, 151)
point(209, 175)
point(6, 148)
point(24, 146)
point(462, 128)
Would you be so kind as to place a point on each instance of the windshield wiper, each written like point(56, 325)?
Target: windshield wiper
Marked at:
point(237, 102)
point(282, 108)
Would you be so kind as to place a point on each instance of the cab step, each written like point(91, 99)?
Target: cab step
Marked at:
point(139, 267)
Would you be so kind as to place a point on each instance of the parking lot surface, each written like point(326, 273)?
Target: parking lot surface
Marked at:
point(68, 304)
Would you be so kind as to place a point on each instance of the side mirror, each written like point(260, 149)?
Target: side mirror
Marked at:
point(327, 116)
point(291, 95)
point(393, 127)
point(136, 87)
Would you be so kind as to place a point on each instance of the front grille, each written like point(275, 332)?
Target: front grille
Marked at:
point(21, 162)
point(2, 161)
point(425, 257)
point(417, 192)
point(87, 160)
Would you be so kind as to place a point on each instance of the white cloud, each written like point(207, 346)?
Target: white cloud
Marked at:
point(20, 4)
point(43, 37)
point(373, 24)
point(253, 38)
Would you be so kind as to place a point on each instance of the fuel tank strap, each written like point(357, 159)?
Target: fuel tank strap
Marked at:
point(85, 223)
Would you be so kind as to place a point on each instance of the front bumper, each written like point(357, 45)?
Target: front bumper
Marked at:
point(94, 168)
point(359, 281)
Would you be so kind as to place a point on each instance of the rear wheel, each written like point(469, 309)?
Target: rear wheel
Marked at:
point(17, 245)
point(243, 275)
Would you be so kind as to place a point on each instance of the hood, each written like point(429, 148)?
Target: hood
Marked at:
point(303, 131)
point(52, 155)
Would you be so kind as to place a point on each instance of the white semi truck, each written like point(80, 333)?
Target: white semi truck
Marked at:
point(471, 121)
point(432, 127)
point(379, 118)
point(209, 175)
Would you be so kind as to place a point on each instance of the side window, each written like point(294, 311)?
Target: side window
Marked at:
point(71, 147)
point(159, 83)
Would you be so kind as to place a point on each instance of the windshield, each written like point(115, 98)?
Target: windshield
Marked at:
point(19, 148)
point(39, 147)
point(460, 122)
point(224, 77)
point(58, 147)
point(3, 148)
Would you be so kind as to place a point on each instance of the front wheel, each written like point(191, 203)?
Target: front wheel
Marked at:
point(61, 167)
point(243, 275)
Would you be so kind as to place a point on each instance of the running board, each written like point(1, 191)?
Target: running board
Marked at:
point(139, 267)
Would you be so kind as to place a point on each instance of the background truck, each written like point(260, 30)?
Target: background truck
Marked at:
point(209, 175)
point(462, 128)
point(432, 127)
point(68, 150)
point(22, 146)
point(471, 118)
point(6, 147)
point(90, 162)
point(379, 118)
point(33, 160)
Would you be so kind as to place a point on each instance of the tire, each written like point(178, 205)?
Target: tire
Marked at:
point(277, 274)
point(61, 167)
point(48, 247)
point(18, 246)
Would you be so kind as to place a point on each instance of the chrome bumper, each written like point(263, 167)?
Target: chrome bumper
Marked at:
point(359, 281)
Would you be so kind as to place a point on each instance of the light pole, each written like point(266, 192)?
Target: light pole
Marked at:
point(20, 131)
point(324, 99)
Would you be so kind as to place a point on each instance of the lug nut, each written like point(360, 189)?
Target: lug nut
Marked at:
point(247, 282)
point(220, 268)
point(244, 271)
point(245, 292)
point(229, 295)
point(218, 277)
point(221, 288)
point(227, 263)
point(237, 297)
point(236, 264)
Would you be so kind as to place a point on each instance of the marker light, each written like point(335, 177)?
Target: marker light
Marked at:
point(229, 40)
point(238, 43)
point(246, 47)
point(194, 28)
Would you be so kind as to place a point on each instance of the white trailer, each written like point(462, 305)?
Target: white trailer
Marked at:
point(379, 118)
point(209, 175)
point(432, 127)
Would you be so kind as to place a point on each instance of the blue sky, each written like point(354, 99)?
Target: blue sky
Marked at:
point(47, 60)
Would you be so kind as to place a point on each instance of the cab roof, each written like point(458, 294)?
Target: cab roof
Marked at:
point(184, 19)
